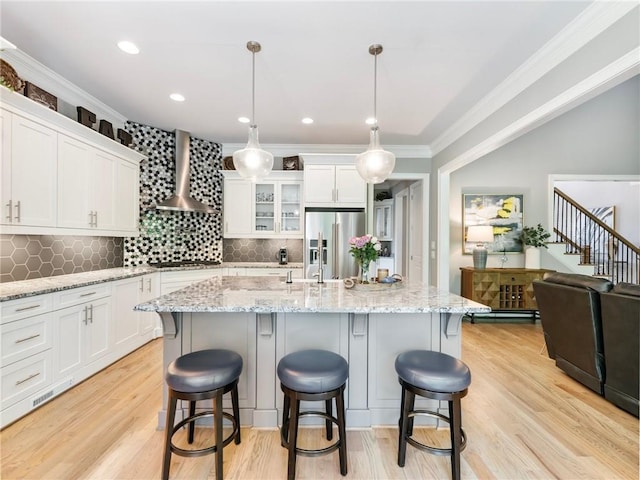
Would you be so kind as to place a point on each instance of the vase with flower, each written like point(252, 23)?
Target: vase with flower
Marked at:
point(365, 249)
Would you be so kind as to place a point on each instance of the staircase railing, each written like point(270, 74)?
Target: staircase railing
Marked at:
point(598, 244)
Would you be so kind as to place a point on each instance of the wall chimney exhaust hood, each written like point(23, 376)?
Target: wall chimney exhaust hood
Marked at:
point(181, 201)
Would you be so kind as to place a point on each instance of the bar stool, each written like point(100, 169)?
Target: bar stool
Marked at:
point(202, 375)
point(441, 377)
point(313, 375)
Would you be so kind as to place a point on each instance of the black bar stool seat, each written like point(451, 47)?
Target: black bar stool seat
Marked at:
point(313, 375)
point(437, 376)
point(202, 375)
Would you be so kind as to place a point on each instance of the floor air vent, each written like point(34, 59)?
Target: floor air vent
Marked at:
point(56, 390)
point(37, 401)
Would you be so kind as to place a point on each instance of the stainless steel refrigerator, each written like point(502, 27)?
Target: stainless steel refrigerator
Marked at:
point(335, 227)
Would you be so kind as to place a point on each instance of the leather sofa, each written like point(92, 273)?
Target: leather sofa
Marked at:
point(570, 314)
point(621, 336)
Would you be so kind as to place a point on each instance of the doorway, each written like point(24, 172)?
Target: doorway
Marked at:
point(409, 193)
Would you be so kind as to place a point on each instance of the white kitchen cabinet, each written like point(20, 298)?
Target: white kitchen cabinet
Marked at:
point(82, 331)
point(28, 172)
point(383, 220)
point(86, 186)
point(237, 207)
point(334, 186)
point(98, 187)
point(149, 289)
point(278, 209)
point(131, 328)
point(127, 212)
point(25, 355)
point(271, 208)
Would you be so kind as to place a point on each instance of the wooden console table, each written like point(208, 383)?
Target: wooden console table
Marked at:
point(505, 290)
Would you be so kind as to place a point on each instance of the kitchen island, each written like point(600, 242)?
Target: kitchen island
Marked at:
point(265, 319)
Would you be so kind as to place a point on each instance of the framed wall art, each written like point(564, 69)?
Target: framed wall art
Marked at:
point(504, 212)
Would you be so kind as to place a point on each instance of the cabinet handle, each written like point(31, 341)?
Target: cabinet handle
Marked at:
point(27, 338)
point(86, 314)
point(33, 375)
point(91, 218)
point(18, 211)
point(88, 294)
point(91, 313)
point(30, 307)
point(142, 284)
point(10, 216)
point(149, 285)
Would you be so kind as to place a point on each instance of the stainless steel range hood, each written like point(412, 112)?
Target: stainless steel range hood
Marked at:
point(181, 200)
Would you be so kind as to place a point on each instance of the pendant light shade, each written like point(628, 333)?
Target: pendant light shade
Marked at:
point(252, 162)
point(375, 164)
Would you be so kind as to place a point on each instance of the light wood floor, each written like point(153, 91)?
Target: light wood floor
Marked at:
point(524, 419)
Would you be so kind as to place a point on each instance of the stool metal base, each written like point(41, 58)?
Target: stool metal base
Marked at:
point(290, 418)
point(408, 413)
point(217, 413)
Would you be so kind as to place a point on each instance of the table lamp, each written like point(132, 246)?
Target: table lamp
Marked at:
point(480, 234)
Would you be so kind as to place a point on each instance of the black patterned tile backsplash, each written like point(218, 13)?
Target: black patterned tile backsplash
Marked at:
point(167, 236)
point(23, 257)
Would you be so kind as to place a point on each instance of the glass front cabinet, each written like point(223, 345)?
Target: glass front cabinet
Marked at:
point(278, 208)
point(270, 208)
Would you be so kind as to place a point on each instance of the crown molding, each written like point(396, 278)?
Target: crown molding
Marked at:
point(33, 71)
point(286, 150)
point(589, 24)
point(608, 77)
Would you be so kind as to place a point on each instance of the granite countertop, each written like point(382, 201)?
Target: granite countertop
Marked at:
point(40, 286)
point(250, 294)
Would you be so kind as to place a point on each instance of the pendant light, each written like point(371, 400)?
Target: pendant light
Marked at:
point(252, 162)
point(375, 164)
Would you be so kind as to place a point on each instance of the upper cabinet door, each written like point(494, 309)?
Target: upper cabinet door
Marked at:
point(334, 186)
point(290, 208)
point(102, 181)
point(319, 184)
point(31, 168)
point(74, 160)
point(237, 207)
point(350, 187)
point(127, 197)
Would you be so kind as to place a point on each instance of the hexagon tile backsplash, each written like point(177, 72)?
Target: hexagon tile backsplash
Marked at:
point(260, 249)
point(23, 257)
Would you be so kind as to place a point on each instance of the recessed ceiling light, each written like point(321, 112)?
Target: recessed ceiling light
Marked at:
point(128, 47)
point(370, 121)
point(176, 97)
point(307, 120)
point(243, 120)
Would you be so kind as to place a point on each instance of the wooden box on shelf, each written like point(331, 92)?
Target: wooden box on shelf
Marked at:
point(502, 289)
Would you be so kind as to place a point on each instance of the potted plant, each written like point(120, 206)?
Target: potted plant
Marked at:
point(533, 238)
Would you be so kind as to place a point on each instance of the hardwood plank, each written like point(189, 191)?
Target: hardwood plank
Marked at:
point(524, 418)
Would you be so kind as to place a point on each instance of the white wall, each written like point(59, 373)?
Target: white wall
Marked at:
point(598, 137)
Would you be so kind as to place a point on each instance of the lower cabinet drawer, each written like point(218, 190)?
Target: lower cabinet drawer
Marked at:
point(22, 338)
point(514, 279)
point(25, 377)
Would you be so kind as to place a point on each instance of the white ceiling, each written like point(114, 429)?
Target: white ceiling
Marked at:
point(440, 58)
